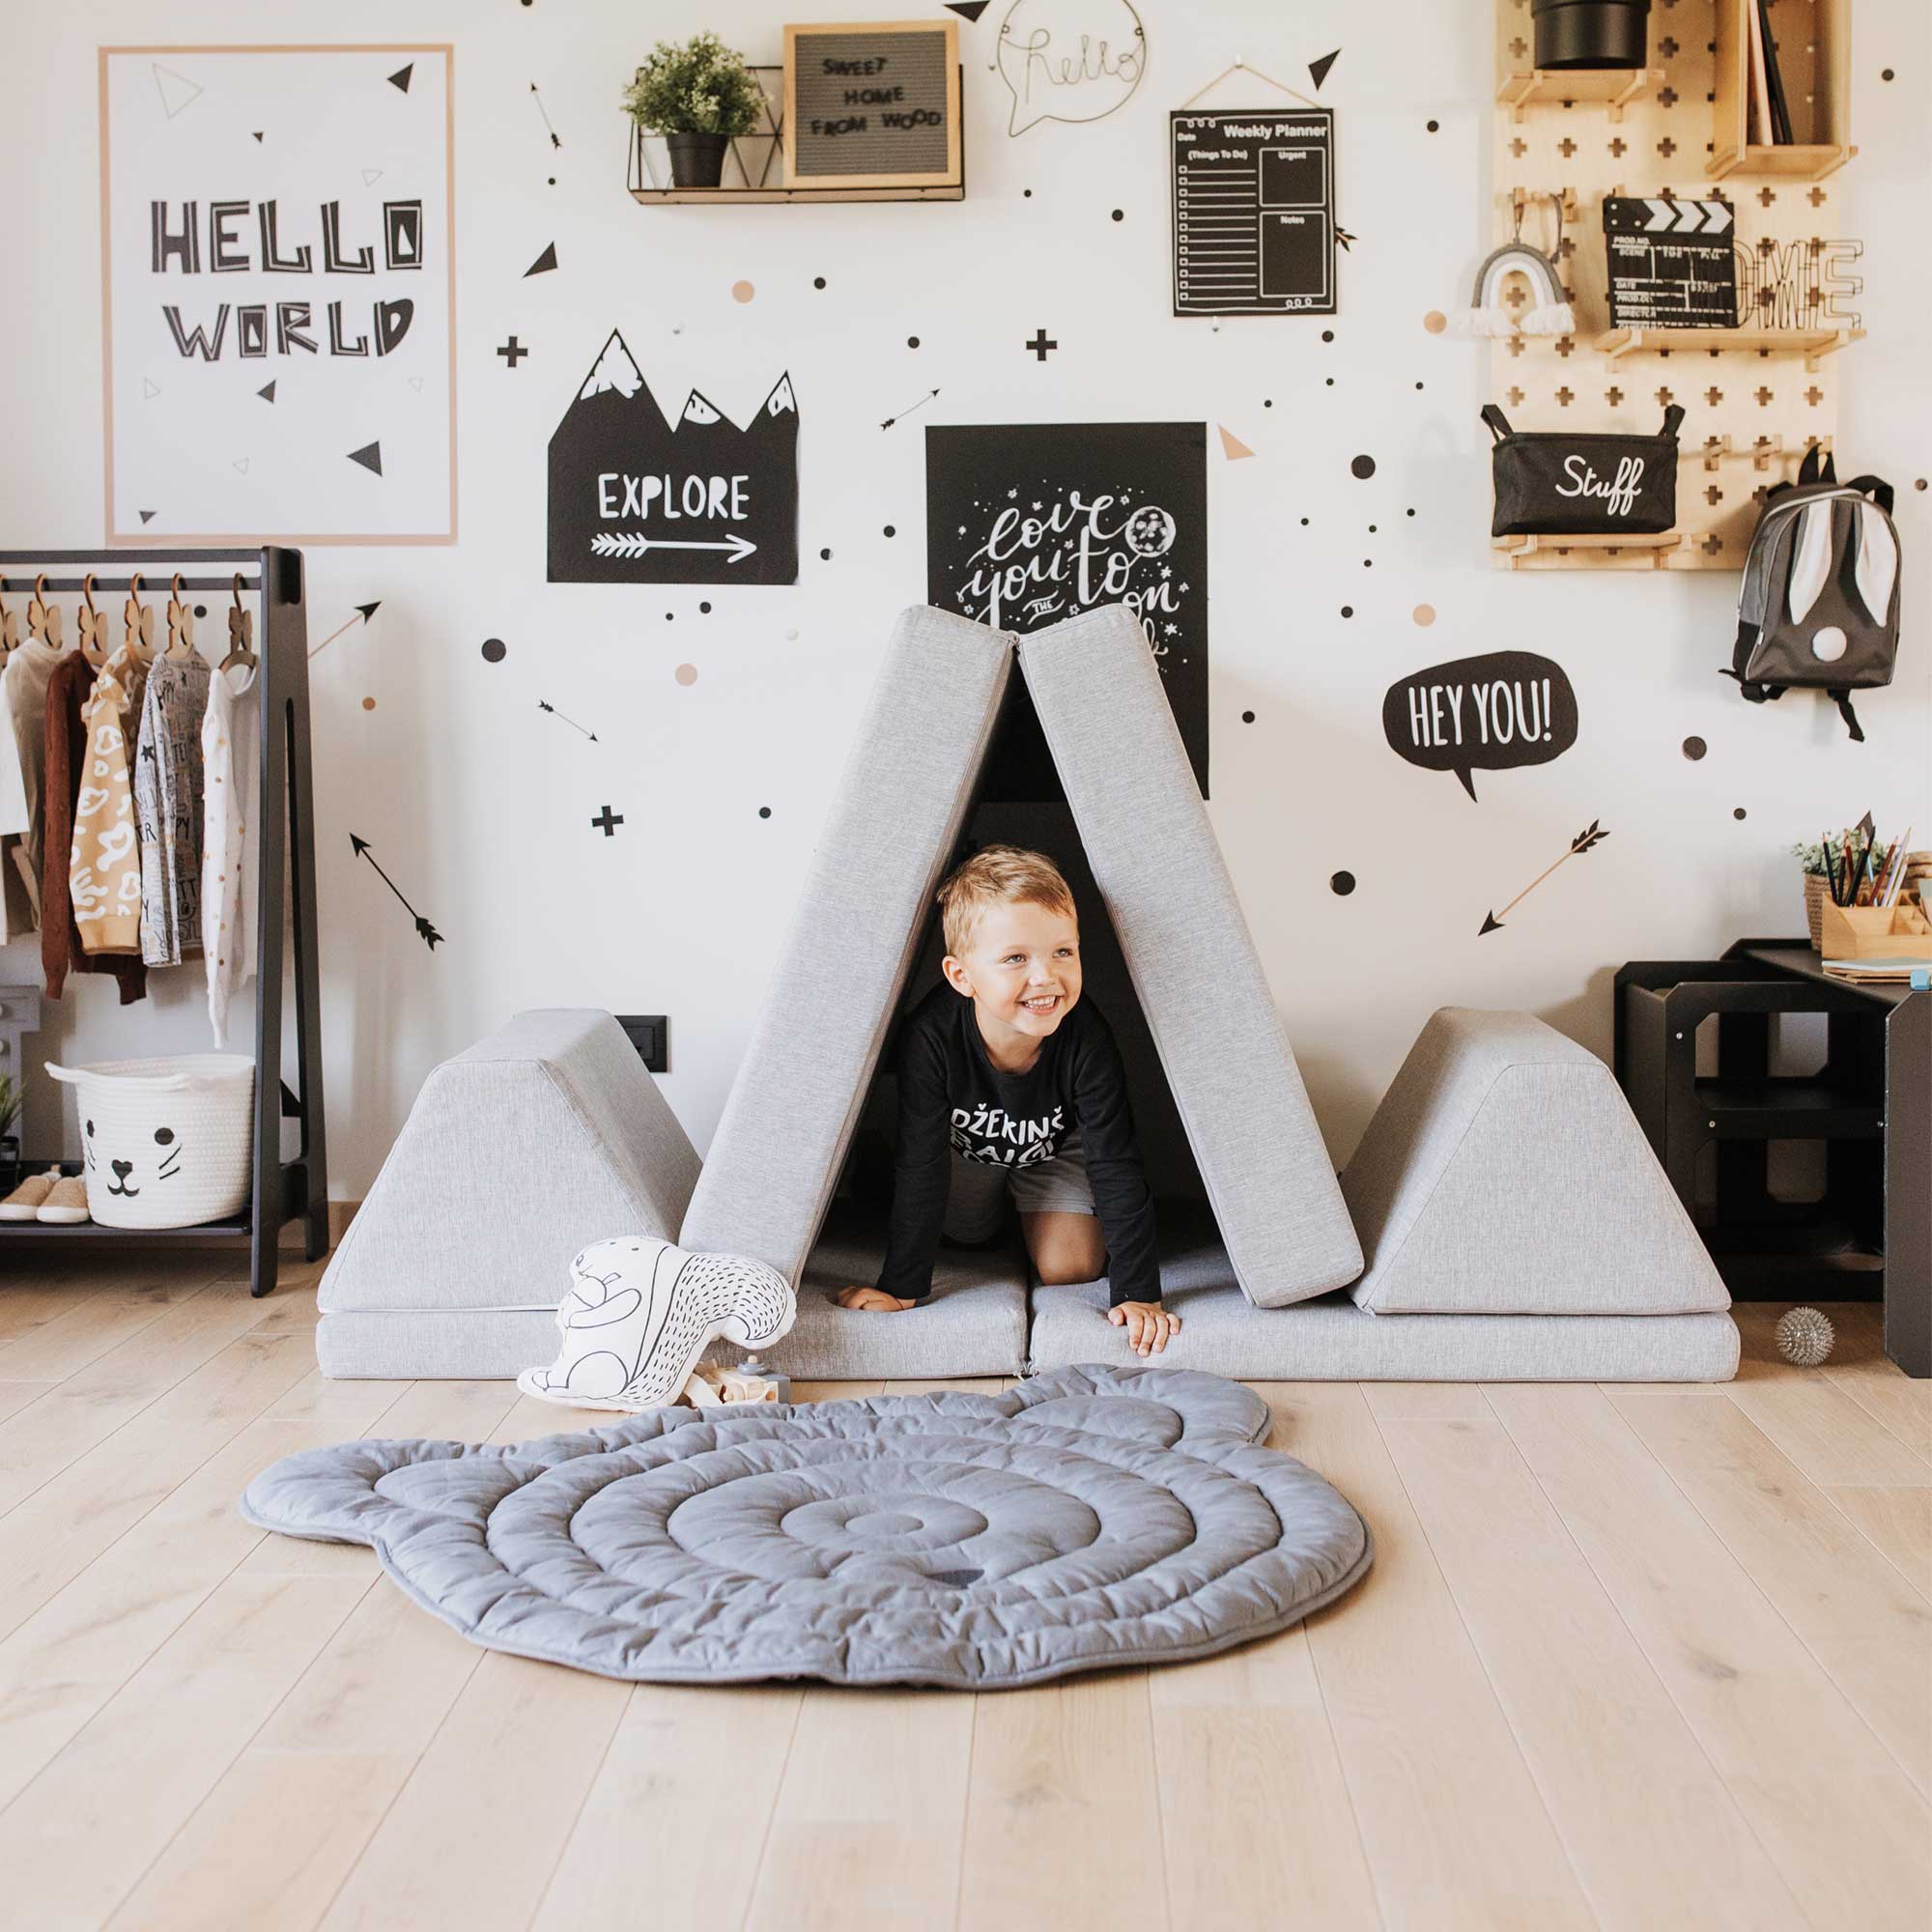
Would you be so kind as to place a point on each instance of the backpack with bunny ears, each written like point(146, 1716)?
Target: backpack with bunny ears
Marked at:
point(1819, 606)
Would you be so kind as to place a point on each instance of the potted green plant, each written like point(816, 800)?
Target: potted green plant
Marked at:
point(1817, 882)
point(700, 97)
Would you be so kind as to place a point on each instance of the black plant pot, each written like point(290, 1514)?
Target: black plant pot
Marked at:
point(10, 1163)
point(696, 160)
point(1591, 33)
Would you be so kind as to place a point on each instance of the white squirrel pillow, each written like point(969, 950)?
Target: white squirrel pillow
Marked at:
point(640, 1314)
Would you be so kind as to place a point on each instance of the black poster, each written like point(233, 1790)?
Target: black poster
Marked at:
point(1029, 525)
point(1254, 213)
point(1672, 264)
point(637, 499)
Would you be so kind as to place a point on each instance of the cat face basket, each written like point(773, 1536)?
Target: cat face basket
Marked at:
point(166, 1141)
point(1560, 483)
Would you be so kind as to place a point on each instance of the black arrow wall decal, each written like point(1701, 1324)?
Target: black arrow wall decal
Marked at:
point(543, 704)
point(1586, 841)
point(429, 936)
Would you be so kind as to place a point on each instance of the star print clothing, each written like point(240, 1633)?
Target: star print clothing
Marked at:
point(233, 786)
point(104, 869)
point(168, 808)
point(953, 1101)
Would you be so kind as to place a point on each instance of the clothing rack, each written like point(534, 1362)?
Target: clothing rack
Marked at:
point(281, 1191)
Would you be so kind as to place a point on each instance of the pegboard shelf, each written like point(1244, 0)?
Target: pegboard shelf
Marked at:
point(1815, 62)
point(1618, 551)
point(1810, 162)
point(1612, 86)
point(1810, 343)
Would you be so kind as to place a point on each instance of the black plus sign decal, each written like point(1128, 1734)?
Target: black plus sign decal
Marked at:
point(1040, 344)
point(513, 352)
point(607, 822)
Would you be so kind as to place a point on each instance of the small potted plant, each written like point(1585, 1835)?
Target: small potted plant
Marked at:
point(699, 97)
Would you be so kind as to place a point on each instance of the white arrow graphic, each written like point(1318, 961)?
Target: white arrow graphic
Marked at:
point(635, 543)
point(1717, 217)
point(1660, 213)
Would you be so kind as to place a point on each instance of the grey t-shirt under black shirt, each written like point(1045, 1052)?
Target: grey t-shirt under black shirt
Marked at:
point(952, 1099)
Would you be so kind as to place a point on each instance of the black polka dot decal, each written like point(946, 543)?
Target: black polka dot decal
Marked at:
point(705, 608)
point(1327, 335)
point(1348, 609)
point(1695, 749)
point(764, 812)
point(494, 650)
point(1247, 717)
point(1119, 215)
point(912, 342)
point(1736, 812)
point(1363, 467)
point(818, 281)
point(825, 556)
point(1434, 126)
point(1342, 884)
point(201, 609)
point(891, 531)
point(1886, 73)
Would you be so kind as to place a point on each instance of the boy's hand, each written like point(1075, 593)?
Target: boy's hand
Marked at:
point(1148, 1324)
point(874, 1299)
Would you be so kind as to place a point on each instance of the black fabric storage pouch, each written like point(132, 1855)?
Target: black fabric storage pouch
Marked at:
point(1558, 484)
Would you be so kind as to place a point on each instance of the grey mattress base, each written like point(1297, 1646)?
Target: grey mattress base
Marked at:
point(982, 1322)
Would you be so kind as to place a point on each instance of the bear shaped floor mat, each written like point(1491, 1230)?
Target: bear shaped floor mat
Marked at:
point(1087, 1519)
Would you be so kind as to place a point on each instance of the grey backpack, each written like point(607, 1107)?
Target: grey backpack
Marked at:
point(1819, 606)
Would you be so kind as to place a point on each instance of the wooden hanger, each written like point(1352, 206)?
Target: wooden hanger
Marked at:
point(240, 634)
point(44, 618)
point(181, 625)
point(139, 619)
point(93, 625)
point(10, 629)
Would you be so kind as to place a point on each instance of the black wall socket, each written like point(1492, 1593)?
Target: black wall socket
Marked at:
point(650, 1034)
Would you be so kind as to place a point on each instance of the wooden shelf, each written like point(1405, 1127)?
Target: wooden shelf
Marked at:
point(1616, 552)
point(1810, 343)
point(1613, 86)
point(1807, 161)
point(725, 197)
point(1814, 58)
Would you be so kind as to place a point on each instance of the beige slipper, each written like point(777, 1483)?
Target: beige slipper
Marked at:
point(24, 1201)
point(67, 1203)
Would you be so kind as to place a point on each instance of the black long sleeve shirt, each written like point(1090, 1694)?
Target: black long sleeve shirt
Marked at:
point(953, 1099)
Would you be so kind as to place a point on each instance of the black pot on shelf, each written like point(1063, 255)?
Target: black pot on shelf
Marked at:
point(10, 1163)
point(696, 160)
point(1591, 33)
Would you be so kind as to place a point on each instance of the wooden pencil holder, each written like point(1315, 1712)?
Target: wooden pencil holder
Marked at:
point(1875, 932)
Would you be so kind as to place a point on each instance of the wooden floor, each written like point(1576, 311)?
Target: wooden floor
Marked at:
point(1629, 1656)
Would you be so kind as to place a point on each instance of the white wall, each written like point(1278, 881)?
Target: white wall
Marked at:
point(480, 804)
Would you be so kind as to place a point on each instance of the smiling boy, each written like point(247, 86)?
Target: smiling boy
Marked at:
point(1011, 1085)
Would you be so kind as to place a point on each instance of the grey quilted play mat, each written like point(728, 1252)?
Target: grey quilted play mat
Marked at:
point(1086, 1518)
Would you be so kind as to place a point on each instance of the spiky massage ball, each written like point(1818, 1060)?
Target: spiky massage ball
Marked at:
point(1805, 1336)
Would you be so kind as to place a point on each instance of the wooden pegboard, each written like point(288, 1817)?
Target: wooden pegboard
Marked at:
point(1751, 411)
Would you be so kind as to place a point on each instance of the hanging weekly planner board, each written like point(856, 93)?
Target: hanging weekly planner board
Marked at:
point(1254, 213)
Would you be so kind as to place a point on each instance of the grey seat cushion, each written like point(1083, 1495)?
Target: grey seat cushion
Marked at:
point(862, 911)
point(1159, 869)
point(434, 1344)
point(1333, 1340)
point(546, 1136)
point(1081, 1522)
point(1504, 1173)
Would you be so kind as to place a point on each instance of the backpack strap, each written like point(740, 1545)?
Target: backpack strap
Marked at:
point(1498, 423)
point(1816, 467)
point(1751, 690)
point(1673, 420)
point(1875, 488)
point(1842, 696)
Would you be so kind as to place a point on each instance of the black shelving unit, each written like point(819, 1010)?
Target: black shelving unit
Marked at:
point(1868, 1235)
point(281, 1191)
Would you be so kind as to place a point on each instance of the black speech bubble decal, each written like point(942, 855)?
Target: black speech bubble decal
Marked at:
point(1486, 714)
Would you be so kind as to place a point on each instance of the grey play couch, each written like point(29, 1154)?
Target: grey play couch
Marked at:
point(1502, 1219)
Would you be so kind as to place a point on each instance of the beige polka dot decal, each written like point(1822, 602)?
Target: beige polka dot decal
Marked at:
point(686, 674)
point(742, 291)
point(1435, 322)
point(1424, 615)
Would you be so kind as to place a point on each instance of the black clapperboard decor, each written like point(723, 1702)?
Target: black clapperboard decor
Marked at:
point(1028, 525)
point(1672, 264)
point(1254, 213)
point(873, 106)
point(636, 500)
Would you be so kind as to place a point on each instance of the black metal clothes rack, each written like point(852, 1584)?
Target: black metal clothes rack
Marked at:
point(281, 1191)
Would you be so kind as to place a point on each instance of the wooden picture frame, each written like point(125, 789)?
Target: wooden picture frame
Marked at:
point(882, 34)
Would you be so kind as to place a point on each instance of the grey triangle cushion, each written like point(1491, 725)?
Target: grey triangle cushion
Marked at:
point(1084, 1519)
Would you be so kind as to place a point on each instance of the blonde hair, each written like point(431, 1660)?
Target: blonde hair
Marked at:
point(999, 876)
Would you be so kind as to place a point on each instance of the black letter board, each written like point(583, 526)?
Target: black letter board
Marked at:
point(873, 106)
point(1671, 264)
point(1254, 213)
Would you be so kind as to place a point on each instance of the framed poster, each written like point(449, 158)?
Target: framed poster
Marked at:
point(278, 293)
point(873, 106)
point(1030, 523)
point(1254, 213)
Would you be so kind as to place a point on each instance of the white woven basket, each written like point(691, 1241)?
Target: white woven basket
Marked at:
point(167, 1141)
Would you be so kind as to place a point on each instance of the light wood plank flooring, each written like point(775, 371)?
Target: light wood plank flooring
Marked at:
point(1630, 1656)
